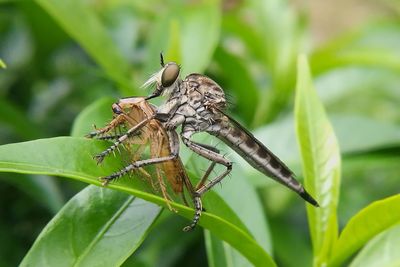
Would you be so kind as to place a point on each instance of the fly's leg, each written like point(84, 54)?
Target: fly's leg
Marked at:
point(99, 158)
point(205, 176)
point(198, 207)
point(213, 155)
point(210, 168)
point(210, 154)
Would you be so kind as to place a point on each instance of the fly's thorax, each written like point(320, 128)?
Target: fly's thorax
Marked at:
point(187, 110)
point(204, 90)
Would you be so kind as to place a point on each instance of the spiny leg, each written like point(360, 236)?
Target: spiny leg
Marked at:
point(118, 120)
point(110, 137)
point(205, 176)
point(120, 116)
point(99, 158)
point(133, 166)
point(210, 168)
point(198, 207)
point(174, 146)
point(212, 155)
point(158, 153)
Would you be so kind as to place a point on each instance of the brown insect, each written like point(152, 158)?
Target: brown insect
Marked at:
point(136, 115)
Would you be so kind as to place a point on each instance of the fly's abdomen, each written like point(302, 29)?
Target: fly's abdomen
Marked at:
point(257, 155)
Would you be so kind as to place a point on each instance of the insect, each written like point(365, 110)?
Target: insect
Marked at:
point(129, 113)
point(197, 103)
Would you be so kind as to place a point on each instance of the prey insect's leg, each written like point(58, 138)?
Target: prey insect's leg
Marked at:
point(133, 166)
point(109, 137)
point(141, 163)
point(156, 149)
point(209, 154)
point(118, 120)
point(99, 158)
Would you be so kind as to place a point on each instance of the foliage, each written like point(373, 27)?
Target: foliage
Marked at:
point(339, 100)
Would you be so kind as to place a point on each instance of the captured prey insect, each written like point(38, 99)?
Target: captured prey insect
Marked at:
point(136, 115)
point(197, 103)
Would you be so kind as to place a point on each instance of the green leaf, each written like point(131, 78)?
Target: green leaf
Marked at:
point(282, 35)
point(320, 162)
point(200, 32)
point(369, 222)
point(382, 251)
point(360, 134)
point(14, 118)
point(219, 253)
point(374, 45)
point(72, 158)
point(96, 114)
point(41, 188)
point(366, 92)
point(166, 245)
point(97, 227)
point(236, 76)
point(249, 209)
point(291, 244)
point(355, 135)
point(188, 34)
point(82, 25)
point(2, 64)
point(216, 253)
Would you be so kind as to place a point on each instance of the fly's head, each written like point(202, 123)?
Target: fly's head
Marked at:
point(166, 80)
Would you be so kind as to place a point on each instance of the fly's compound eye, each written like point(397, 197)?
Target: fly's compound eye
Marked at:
point(170, 74)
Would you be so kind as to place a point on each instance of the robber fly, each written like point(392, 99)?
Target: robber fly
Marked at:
point(129, 113)
point(198, 104)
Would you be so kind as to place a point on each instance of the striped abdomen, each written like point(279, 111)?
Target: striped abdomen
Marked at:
point(257, 155)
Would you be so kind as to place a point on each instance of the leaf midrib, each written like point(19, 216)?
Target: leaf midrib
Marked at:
point(103, 230)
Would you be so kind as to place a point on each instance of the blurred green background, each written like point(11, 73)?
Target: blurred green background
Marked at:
point(63, 56)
